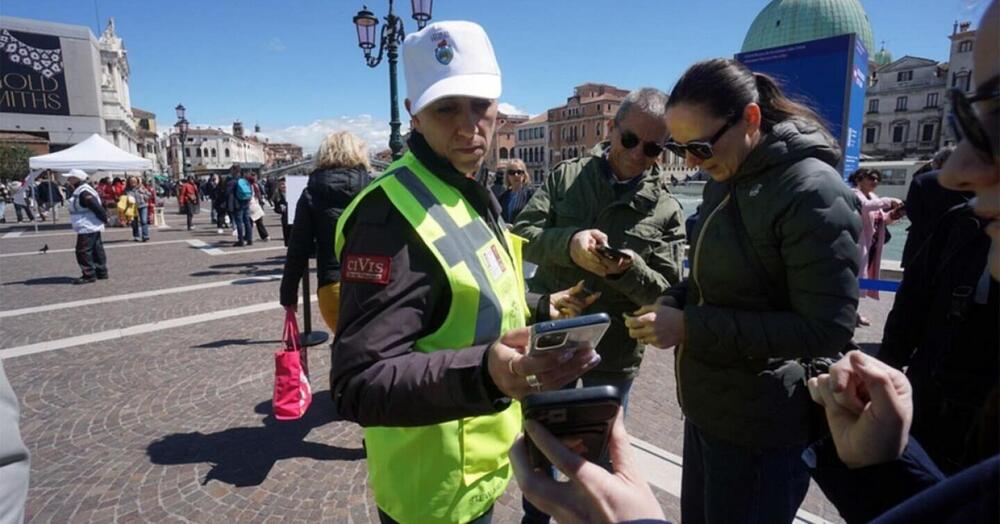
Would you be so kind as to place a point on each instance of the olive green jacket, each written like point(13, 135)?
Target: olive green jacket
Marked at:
point(644, 218)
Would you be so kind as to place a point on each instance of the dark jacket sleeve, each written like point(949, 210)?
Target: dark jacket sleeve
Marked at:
point(547, 244)
point(818, 237)
point(300, 246)
point(94, 205)
point(648, 279)
point(864, 493)
point(377, 377)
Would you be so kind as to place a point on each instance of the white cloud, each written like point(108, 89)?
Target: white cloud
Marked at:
point(309, 136)
point(510, 109)
point(275, 45)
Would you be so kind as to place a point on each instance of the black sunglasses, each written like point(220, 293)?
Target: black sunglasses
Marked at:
point(965, 125)
point(701, 148)
point(650, 149)
point(515, 172)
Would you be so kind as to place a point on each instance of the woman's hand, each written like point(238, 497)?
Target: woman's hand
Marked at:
point(517, 373)
point(569, 303)
point(660, 325)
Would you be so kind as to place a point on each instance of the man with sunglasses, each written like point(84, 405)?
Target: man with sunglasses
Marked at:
point(614, 196)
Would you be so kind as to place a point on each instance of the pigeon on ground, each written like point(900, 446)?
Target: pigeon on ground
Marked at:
point(45, 249)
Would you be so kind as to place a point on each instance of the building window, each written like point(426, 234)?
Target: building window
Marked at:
point(871, 133)
point(965, 46)
point(503, 153)
point(961, 80)
point(904, 76)
point(901, 103)
point(197, 151)
point(927, 133)
point(898, 134)
point(873, 105)
point(187, 152)
point(213, 152)
point(932, 99)
point(227, 152)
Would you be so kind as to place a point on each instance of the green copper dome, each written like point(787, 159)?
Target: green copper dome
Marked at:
point(882, 57)
point(785, 22)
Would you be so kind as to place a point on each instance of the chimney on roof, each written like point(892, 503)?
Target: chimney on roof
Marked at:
point(256, 128)
point(954, 28)
point(964, 26)
point(238, 129)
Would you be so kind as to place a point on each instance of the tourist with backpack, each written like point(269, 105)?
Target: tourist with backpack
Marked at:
point(239, 195)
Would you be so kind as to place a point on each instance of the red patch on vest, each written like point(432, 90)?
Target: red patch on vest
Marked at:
point(366, 269)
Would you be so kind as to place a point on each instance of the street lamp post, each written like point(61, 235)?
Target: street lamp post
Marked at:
point(391, 37)
point(182, 130)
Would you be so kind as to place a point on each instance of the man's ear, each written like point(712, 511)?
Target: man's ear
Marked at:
point(414, 122)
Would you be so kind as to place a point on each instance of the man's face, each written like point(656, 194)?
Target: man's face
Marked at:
point(630, 163)
point(459, 129)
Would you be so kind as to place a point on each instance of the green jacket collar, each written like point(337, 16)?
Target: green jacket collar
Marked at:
point(646, 194)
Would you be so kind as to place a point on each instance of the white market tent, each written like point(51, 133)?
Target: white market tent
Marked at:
point(93, 154)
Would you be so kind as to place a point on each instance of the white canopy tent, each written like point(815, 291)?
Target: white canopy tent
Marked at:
point(93, 154)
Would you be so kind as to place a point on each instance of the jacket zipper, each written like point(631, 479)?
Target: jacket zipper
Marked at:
point(701, 294)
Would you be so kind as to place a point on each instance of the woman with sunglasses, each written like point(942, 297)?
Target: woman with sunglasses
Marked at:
point(876, 215)
point(773, 284)
point(517, 194)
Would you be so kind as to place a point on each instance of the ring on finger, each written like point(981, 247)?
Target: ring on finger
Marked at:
point(510, 367)
point(533, 382)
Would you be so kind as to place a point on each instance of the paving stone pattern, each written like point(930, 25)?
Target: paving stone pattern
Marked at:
point(175, 425)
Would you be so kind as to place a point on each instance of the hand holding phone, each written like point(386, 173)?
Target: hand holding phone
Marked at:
point(580, 418)
point(569, 334)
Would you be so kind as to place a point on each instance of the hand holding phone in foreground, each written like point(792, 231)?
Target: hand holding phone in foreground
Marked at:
point(592, 493)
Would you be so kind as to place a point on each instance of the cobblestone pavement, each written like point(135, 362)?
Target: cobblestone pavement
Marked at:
point(174, 425)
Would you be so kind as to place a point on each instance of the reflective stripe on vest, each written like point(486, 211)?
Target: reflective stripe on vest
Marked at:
point(453, 471)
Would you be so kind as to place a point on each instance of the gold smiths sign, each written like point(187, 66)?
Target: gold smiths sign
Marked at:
point(32, 78)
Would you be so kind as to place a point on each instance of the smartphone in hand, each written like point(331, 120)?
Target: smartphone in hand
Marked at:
point(580, 418)
point(569, 333)
point(612, 254)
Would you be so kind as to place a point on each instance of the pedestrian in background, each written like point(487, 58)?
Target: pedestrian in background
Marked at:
point(140, 222)
point(773, 285)
point(876, 215)
point(187, 197)
point(208, 190)
point(340, 172)
point(22, 200)
point(257, 208)
point(238, 195)
point(281, 207)
point(87, 216)
point(513, 200)
point(219, 204)
point(4, 200)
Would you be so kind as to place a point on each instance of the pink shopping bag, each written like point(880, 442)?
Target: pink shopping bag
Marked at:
point(292, 394)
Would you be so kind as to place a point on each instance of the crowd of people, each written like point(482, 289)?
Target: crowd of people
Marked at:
point(421, 278)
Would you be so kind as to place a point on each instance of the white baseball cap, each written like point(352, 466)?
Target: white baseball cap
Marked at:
point(77, 173)
point(453, 58)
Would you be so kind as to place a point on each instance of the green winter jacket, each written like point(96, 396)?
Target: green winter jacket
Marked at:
point(644, 217)
point(736, 372)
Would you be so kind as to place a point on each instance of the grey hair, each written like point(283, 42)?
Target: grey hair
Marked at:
point(649, 100)
point(941, 156)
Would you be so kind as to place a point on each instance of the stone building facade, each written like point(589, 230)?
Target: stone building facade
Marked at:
point(531, 146)
point(585, 120)
point(904, 109)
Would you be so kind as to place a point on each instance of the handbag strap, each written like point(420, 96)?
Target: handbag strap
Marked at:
point(291, 333)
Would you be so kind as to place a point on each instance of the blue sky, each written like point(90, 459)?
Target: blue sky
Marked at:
point(295, 68)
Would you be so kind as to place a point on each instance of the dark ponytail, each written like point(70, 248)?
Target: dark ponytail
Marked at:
point(724, 87)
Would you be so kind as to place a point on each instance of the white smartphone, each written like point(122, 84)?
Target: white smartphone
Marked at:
point(570, 333)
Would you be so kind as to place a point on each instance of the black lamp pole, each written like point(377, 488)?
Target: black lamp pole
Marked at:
point(182, 129)
point(391, 37)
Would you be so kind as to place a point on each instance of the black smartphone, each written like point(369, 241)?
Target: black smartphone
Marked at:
point(569, 333)
point(580, 418)
point(611, 253)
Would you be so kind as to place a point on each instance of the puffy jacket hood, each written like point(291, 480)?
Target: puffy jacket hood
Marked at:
point(787, 143)
point(336, 185)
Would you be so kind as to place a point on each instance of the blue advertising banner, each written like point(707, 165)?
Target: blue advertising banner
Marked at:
point(830, 75)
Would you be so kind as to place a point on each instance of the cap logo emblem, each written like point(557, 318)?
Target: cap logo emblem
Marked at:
point(444, 53)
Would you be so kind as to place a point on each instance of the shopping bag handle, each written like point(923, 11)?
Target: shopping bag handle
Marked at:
point(291, 333)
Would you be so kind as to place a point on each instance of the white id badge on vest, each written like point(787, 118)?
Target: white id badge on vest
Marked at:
point(494, 261)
